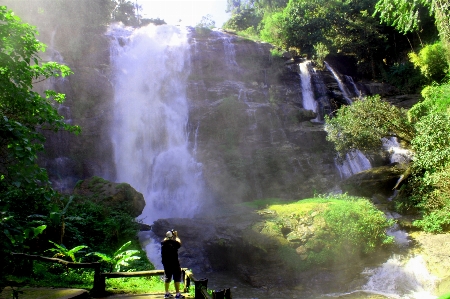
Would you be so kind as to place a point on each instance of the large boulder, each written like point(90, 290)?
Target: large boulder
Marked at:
point(379, 180)
point(262, 248)
point(114, 195)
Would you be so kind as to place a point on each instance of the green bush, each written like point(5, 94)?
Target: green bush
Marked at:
point(344, 227)
point(436, 99)
point(431, 61)
point(405, 77)
point(354, 225)
point(432, 142)
point(436, 221)
point(445, 296)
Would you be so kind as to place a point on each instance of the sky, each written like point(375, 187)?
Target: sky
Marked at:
point(190, 12)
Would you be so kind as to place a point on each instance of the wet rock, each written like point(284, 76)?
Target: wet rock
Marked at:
point(374, 181)
point(115, 195)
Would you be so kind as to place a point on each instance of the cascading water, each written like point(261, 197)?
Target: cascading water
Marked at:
point(345, 92)
point(151, 149)
point(309, 101)
point(397, 153)
point(401, 278)
point(353, 163)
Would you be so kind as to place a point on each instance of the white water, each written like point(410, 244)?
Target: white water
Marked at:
point(401, 278)
point(151, 150)
point(353, 163)
point(309, 101)
point(342, 87)
point(397, 153)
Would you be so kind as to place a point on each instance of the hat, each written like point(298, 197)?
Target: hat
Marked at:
point(169, 234)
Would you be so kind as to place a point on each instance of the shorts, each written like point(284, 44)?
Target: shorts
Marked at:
point(172, 271)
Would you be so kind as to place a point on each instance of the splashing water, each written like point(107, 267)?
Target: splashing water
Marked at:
point(402, 279)
point(151, 151)
point(353, 163)
point(342, 87)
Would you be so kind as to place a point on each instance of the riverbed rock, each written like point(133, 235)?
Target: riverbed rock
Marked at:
point(241, 241)
point(375, 181)
point(115, 195)
point(434, 250)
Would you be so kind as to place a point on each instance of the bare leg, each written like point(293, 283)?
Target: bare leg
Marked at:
point(166, 286)
point(177, 287)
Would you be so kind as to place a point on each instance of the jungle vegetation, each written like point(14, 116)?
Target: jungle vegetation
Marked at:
point(36, 219)
point(405, 43)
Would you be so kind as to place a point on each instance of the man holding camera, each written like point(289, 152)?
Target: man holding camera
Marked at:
point(169, 255)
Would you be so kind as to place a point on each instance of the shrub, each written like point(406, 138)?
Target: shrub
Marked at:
point(436, 100)
point(340, 228)
point(431, 61)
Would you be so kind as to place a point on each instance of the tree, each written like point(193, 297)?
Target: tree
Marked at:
point(363, 124)
point(405, 15)
point(24, 115)
point(207, 22)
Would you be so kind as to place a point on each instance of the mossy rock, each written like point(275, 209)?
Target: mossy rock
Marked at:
point(378, 180)
point(114, 195)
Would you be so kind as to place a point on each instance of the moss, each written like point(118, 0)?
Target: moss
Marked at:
point(324, 229)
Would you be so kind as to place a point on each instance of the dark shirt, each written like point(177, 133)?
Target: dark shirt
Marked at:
point(169, 252)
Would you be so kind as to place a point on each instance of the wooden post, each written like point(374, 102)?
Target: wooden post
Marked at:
point(227, 294)
point(99, 282)
point(220, 294)
point(199, 285)
point(187, 281)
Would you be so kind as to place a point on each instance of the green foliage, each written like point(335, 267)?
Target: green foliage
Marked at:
point(332, 26)
point(62, 252)
point(431, 61)
point(273, 29)
point(243, 20)
point(125, 12)
point(432, 142)
point(276, 52)
point(445, 296)
point(24, 115)
point(435, 222)
point(207, 22)
point(136, 285)
point(321, 51)
point(345, 227)
point(120, 258)
point(363, 124)
point(405, 77)
point(403, 14)
point(355, 225)
point(436, 99)
point(57, 276)
point(108, 228)
point(431, 170)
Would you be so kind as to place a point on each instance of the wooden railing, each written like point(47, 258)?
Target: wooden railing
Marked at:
point(99, 288)
point(201, 288)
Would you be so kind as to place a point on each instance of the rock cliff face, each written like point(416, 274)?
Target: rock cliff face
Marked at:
point(244, 117)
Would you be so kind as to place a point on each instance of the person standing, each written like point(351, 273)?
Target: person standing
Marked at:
point(171, 264)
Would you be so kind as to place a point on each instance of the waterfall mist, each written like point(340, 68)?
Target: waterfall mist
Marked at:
point(149, 136)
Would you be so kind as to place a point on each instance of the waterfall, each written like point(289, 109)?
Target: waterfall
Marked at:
point(149, 133)
point(353, 84)
point(353, 163)
point(342, 87)
point(397, 153)
point(401, 278)
point(309, 101)
point(230, 53)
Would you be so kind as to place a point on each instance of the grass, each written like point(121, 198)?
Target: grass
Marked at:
point(136, 285)
point(320, 231)
point(55, 276)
